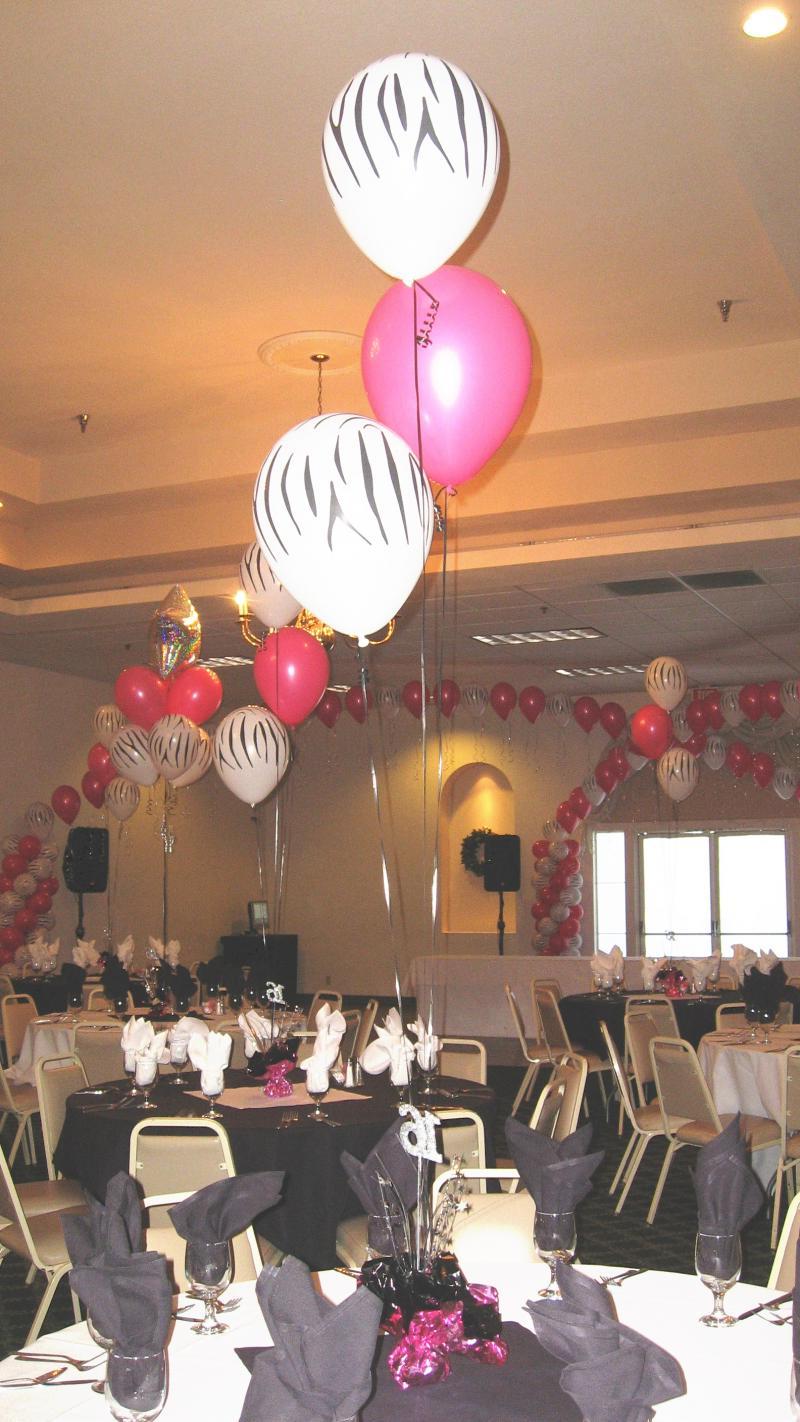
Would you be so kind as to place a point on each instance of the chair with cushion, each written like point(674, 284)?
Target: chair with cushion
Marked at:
point(21, 1102)
point(35, 1235)
point(56, 1079)
point(782, 1273)
point(640, 1029)
point(728, 980)
point(552, 984)
point(18, 1009)
point(100, 1054)
point(660, 1008)
point(463, 1057)
point(645, 1123)
point(730, 1014)
point(497, 1230)
point(687, 1110)
point(555, 1034)
point(789, 1159)
point(536, 1054)
point(347, 1045)
point(333, 998)
point(368, 1015)
point(98, 1002)
point(559, 1105)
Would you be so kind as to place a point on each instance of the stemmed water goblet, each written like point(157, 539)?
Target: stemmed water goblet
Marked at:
point(317, 1086)
point(555, 1238)
point(178, 1055)
point(428, 1063)
point(752, 1015)
point(208, 1268)
point(718, 1262)
point(212, 1085)
point(102, 1342)
point(146, 1077)
point(136, 1384)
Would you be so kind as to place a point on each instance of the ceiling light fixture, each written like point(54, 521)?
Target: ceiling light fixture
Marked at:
point(520, 639)
point(621, 670)
point(765, 22)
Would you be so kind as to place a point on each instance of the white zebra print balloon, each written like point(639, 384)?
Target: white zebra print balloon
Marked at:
point(729, 705)
point(387, 700)
point(715, 752)
point(174, 744)
point(678, 773)
point(784, 782)
point(200, 764)
point(106, 721)
point(10, 844)
point(665, 682)
point(40, 867)
point(39, 817)
point(476, 699)
point(122, 798)
point(680, 724)
point(593, 790)
point(344, 515)
point(24, 884)
point(266, 597)
point(251, 752)
point(130, 754)
point(50, 850)
point(410, 157)
point(559, 709)
point(790, 699)
point(46, 920)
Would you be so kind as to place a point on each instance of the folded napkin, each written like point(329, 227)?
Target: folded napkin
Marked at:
point(148, 1057)
point(391, 1049)
point(129, 1301)
point(167, 953)
point(320, 1368)
point(135, 1034)
point(209, 1054)
point(742, 958)
point(124, 951)
point(728, 1193)
point(108, 1232)
point(73, 978)
point(608, 966)
point(187, 1027)
point(613, 1373)
point(650, 967)
point(428, 1044)
point(381, 1183)
point(257, 1033)
point(762, 987)
point(558, 1174)
point(766, 962)
point(181, 985)
point(331, 1027)
point(225, 1208)
point(85, 954)
point(697, 971)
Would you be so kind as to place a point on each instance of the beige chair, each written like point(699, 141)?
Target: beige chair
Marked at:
point(728, 981)
point(368, 1015)
point(660, 1008)
point(18, 1009)
point(559, 1105)
point(552, 984)
point(56, 1079)
point(335, 1000)
point(645, 1123)
point(21, 1102)
point(98, 1002)
point(100, 1054)
point(687, 1110)
point(536, 1054)
point(497, 1230)
point(166, 1156)
point(789, 1159)
point(37, 1237)
point(555, 1034)
point(463, 1057)
point(782, 1274)
point(347, 1045)
point(640, 1029)
point(730, 1014)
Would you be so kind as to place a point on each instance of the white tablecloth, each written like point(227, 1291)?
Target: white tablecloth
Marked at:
point(54, 1036)
point(743, 1076)
point(736, 1375)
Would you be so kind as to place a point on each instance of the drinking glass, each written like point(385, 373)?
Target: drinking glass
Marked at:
point(767, 1017)
point(146, 1078)
point(102, 1342)
point(136, 1384)
point(178, 1054)
point(428, 1063)
point(718, 1262)
point(208, 1268)
point(211, 1085)
point(751, 1013)
point(129, 1064)
point(554, 1237)
point(317, 1092)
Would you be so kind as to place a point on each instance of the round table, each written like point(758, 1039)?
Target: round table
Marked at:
point(50, 991)
point(94, 1145)
point(584, 1011)
point(736, 1374)
point(54, 1036)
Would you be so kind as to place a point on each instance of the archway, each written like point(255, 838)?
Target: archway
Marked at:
point(475, 796)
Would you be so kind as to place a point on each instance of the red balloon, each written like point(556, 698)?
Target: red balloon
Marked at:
point(141, 695)
point(770, 699)
point(613, 719)
point(570, 865)
point(540, 848)
point(503, 698)
point(763, 768)
point(6, 955)
point(448, 694)
point(697, 715)
point(39, 901)
point(11, 939)
point(66, 802)
point(531, 702)
point(412, 698)
point(548, 895)
point(354, 701)
point(606, 776)
point(196, 693)
point(572, 845)
point(738, 758)
point(566, 816)
point(651, 731)
point(291, 671)
point(618, 759)
point(329, 709)
point(696, 744)
point(51, 885)
point(751, 702)
point(6, 884)
point(14, 864)
point(576, 912)
point(93, 788)
point(586, 712)
point(716, 719)
point(581, 804)
point(98, 759)
point(538, 909)
point(29, 846)
point(25, 920)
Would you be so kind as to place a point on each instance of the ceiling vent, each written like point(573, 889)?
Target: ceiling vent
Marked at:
point(650, 587)
point(705, 581)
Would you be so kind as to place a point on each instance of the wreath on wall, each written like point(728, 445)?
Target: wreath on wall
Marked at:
point(472, 851)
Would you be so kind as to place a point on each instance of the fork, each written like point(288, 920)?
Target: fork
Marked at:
point(32, 1382)
point(619, 1279)
point(82, 1364)
point(287, 1119)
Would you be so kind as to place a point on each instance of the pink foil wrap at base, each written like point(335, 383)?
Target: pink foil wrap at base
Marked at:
point(275, 1083)
point(420, 1355)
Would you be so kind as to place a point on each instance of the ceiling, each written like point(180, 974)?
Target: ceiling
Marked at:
point(164, 214)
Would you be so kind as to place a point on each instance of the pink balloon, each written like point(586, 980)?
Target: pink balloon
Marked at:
point(473, 369)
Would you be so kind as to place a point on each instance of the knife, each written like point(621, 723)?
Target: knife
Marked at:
point(759, 1308)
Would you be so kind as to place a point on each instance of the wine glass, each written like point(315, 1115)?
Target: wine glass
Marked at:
point(102, 1342)
point(428, 1063)
point(146, 1077)
point(317, 1086)
point(136, 1384)
point(752, 1015)
point(178, 1054)
point(211, 1084)
point(618, 980)
point(208, 1268)
point(129, 1065)
point(718, 1262)
point(554, 1237)
point(767, 1017)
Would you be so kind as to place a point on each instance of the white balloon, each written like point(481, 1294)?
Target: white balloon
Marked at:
point(593, 790)
point(790, 699)
point(39, 817)
point(266, 597)
point(46, 920)
point(106, 721)
point(475, 698)
point(558, 852)
point(130, 755)
point(50, 850)
point(387, 700)
point(24, 884)
point(665, 682)
point(634, 759)
point(571, 897)
point(410, 156)
point(547, 868)
point(574, 944)
point(714, 753)
point(122, 797)
point(200, 764)
point(9, 901)
point(729, 705)
point(559, 709)
point(680, 725)
point(40, 867)
point(174, 745)
point(251, 751)
point(559, 913)
point(785, 782)
point(344, 515)
point(551, 829)
point(11, 844)
point(678, 773)
point(546, 925)
point(575, 881)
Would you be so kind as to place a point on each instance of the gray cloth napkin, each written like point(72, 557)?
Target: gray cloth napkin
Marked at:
point(558, 1174)
point(320, 1368)
point(613, 1373)
point(728, 1193)
point(128, 1300)
point(389, 1162)
point(110, 1231)
point(225, 1208)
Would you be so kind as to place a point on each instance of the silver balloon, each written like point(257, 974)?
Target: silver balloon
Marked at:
point(475, 698)
point(571, 897)
point(547, 868)
point(714, 753)
point(24, 884)
point(575, 881)
point(174, 743)
point(122, 798)
point(574, 944)
point(729, 705)
point(559, 913)
point(201, 763)
point(551, 829)
point(387, 700)
point(634, 759)
point(593, 790)
point(678, 773)
point(106, 721)
point(546, 924)
point(130, 755)
point(558, 708)
point(665, 682)
point(39, 817)
point(790, 699)
point(785, 782)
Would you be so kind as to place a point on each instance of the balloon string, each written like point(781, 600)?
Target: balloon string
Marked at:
point(423, 628)
point(259, 858)
point(165, 890)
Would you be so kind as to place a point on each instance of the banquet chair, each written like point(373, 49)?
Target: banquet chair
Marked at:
point(98, 1002)
point(335, 1000)
point(20, 1101)
point(18, 1009)
point(789, 1159)
point(536, 1054)
point(165, 1156)
point(556, 1037)
point(56, 1079)
point(347, 1045)
point(728, 980)
point(645, 1123)
point(497, 1230)
point(463, 1057)
point(368, 1015)
point(100, 1054)
point(37, 1237)
point(552, 984)
point(730, 1014)
point(640, 1029)
point(688, 1112)
point(558, 1108)
point(782, 1273)
point(660, 1008)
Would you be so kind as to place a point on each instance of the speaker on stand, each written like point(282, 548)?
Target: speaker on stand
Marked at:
point(501, 874)
point(85, 865)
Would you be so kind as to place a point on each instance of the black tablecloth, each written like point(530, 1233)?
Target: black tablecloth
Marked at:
point(584, 1011)
point(50, 992)
point(95, 1141)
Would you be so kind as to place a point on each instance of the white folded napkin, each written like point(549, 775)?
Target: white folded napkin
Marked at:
point(148, 1057)
point(391, 1049)
point(124, 951)
point(85, 954)
point(179, 1036)
point(697, 971)
point(331, 1027)
point(136, 1034)
point(650, 967)
point(209, 1054)
point(428, 1045)
point(167, 954)
point(742, 958)
point(603, 966)
point(767, 960)
point(256, 1031)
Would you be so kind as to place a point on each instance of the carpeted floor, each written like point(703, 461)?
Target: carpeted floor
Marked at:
point(603, 1237)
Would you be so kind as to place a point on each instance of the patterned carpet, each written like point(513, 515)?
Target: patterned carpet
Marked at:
point(603, 1237)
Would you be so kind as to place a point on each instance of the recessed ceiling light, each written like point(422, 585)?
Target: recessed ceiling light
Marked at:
point(520, 639)
point(765, 22)
point(621, 670)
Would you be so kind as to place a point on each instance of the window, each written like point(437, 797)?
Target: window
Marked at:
point(695, 891)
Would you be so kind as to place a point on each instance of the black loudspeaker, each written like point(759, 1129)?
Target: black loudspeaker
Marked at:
point(501, 873)
point(85, 864)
